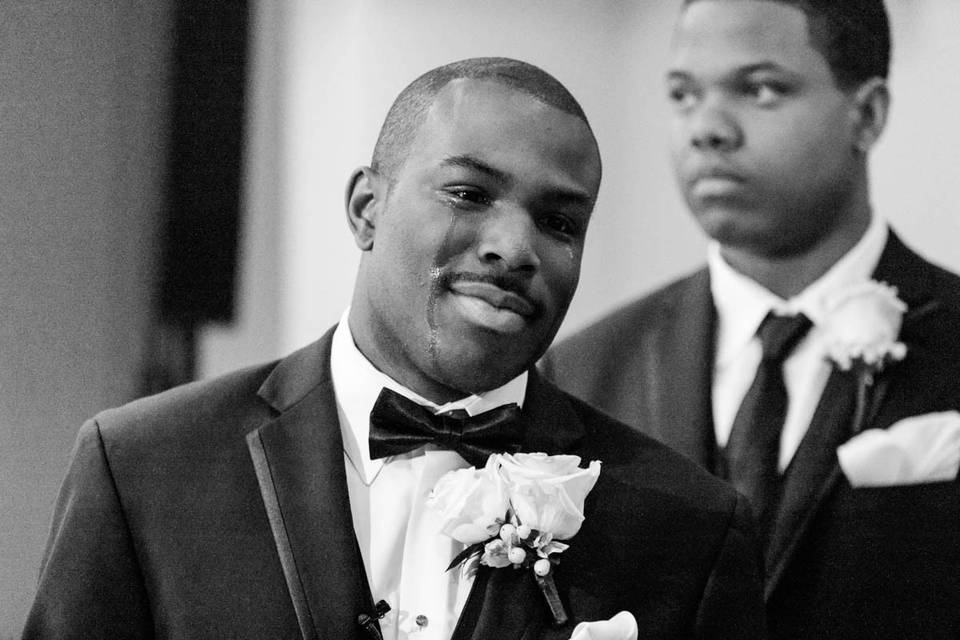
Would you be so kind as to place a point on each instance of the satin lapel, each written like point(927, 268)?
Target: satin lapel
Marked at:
point(681, 373)
point(505, 603)
point(549, 423)
point(814, 471)
point(299, 462)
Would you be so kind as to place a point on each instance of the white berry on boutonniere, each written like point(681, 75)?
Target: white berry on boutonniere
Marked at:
point(516, 512)
point(861, 326)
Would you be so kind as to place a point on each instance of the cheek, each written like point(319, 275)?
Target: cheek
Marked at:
point(560, 267)
point(816, 147)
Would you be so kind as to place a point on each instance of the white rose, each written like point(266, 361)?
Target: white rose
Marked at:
point(864, 322)
point(538, 465)
point(470, 501)
point(547, 492)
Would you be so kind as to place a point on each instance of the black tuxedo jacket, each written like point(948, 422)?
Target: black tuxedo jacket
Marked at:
point(220, 510)
point(842, 562)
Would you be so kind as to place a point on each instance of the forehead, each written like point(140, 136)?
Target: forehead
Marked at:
point(718, 35)
point(508, 128)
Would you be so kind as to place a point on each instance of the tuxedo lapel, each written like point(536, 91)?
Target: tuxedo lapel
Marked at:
point(549, 424)
point(298, 458)
point(680, 374)
point(811, 475)
point(503, 603)
point(814, 471)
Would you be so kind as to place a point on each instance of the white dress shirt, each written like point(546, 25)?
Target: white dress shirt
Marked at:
point(404, 553)
point(742, 304)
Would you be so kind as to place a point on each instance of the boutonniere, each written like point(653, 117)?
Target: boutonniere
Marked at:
point(861, 326)
point(516, 512)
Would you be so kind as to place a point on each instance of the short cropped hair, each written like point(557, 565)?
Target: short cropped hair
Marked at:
point(852, 35)
point(410, 108)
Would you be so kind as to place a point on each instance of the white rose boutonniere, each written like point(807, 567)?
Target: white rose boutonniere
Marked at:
point(516, 511)
point(862, 325)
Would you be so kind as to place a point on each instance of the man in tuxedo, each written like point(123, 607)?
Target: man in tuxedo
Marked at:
point(776, 106)
point(280, 501)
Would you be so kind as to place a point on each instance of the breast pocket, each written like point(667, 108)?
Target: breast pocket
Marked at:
point(912, 515)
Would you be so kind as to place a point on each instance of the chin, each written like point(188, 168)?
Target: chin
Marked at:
point(748, 231)
point(478, 369)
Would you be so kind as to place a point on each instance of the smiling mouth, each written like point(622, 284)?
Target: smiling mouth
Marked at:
point(492, 307)
point(493, 296)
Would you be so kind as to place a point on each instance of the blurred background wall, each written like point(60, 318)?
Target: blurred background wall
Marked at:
point(83, 91)
point(85, 130)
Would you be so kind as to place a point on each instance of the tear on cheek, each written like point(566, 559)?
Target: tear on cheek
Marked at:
point(433, 340)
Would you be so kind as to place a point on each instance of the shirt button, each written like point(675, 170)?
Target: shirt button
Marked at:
point(422, 621)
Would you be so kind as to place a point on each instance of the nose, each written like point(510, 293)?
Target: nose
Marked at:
point(508, 238)
point(712, 127)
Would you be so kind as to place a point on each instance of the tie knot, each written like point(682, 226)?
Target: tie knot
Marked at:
point(780, 334)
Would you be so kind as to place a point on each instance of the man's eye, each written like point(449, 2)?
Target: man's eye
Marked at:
point(468, 195)
point(560, 224)
point(764, 93)
point(681, 96)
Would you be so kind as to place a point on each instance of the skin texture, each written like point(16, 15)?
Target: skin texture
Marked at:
point(471, 254)
point(769, 152)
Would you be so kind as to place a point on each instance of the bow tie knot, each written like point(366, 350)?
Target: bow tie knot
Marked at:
point(398, 425)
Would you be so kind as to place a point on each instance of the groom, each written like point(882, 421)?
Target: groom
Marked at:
point(258, 505)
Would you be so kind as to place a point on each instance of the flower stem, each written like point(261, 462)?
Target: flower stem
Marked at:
point(860, 414)
point(549, 589)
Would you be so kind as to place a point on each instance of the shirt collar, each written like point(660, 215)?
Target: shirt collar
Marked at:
point(357, 384)
point(742, 303)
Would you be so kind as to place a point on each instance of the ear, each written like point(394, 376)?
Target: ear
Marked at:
point(871, 103)
point(366, 191)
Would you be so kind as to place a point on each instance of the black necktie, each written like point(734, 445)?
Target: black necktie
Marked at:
point(754, 446)
point(398, 425)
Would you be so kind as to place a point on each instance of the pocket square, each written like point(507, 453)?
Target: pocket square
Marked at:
point(915, 450)
point(622, 626)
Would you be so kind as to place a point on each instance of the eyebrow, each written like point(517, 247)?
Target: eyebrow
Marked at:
point(747, 69)
point(469, 162)
point(560, 194)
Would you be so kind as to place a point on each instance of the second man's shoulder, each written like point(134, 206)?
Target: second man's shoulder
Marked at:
point(630, 321)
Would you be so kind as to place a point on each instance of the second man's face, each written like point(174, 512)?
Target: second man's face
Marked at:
point(763, 139)
point(477, 246)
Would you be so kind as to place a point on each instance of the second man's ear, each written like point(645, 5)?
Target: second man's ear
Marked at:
point(365, 194)
point(872, 103)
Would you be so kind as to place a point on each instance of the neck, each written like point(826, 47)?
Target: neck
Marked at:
point(394, 362)
point(786, 275)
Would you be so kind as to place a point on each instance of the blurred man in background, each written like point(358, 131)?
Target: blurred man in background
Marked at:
point(786, 345)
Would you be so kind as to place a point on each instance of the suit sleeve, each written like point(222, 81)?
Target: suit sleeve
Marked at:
point(732, 604)
point(90, 583)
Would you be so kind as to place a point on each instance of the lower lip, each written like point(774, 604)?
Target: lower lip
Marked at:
point(716, 186)
point(483, 314)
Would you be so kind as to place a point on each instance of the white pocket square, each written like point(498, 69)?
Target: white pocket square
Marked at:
point(915, 450)
point(622, 626)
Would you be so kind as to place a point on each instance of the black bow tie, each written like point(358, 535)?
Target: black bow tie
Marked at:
point(398, 425)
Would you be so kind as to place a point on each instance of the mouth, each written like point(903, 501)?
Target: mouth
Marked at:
point(715, 172)
point(714, 181)
point(491, 306)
